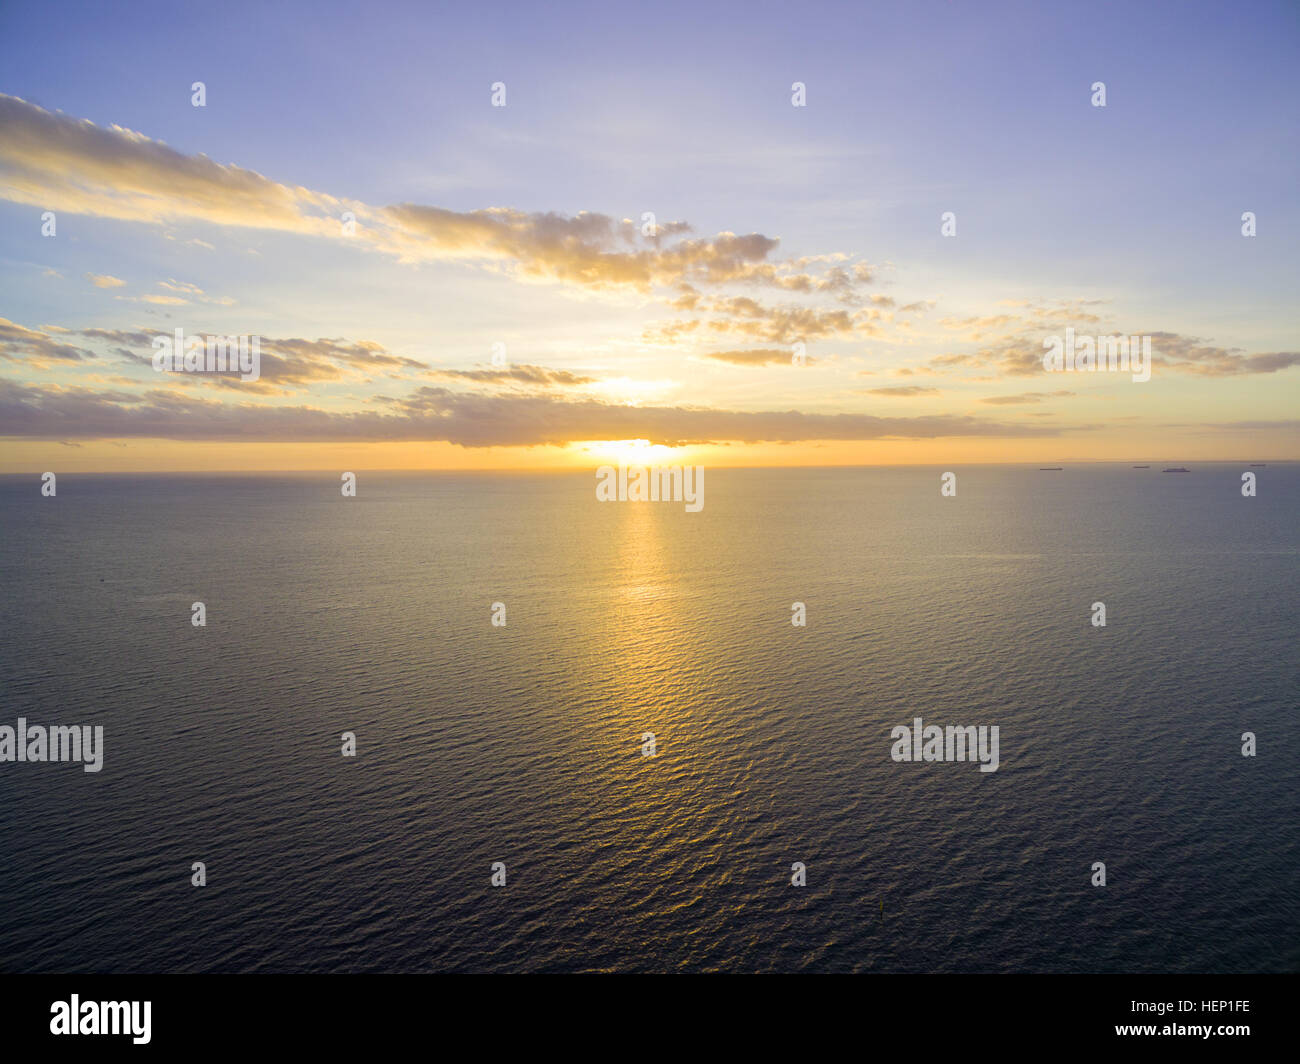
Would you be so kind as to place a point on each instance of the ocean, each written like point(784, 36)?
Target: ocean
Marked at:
point(523, 744)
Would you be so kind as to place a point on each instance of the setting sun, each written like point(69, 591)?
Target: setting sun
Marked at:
point(636, 453)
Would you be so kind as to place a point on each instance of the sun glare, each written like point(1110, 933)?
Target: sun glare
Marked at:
point(636, 453)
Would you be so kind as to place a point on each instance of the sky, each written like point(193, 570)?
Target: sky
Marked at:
point(670, 262)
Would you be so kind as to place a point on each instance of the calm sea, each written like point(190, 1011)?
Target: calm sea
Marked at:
point(522, 744)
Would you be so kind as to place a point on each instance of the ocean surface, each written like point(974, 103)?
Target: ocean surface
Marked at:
point(522, 744)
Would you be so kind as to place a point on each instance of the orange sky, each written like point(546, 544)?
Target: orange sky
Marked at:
point(174, 456)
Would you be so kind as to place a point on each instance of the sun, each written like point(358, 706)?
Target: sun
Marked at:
point(636, 453)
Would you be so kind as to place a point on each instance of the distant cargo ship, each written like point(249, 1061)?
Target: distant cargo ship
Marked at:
point(1180, 469)
point(1050, 469)
point(1141, 467)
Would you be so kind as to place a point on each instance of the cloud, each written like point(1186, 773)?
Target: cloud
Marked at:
point(943, 363)
point(588, 249)
point(901, 391)
point(183, 287)
point(437, 414)
point(1023, 397)
point(283, 362)
point(758, 356)
point(919, 308)
point(61, 163)
point(747, 317)
point(128, 337)
point(22, 344)
point(1022, 356)
point(537, 376)
point(181, 293)
point(103, 280)
point(1191, 355)
point(1287, 425)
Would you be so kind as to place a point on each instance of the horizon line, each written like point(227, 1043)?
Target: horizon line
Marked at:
point(574, 469)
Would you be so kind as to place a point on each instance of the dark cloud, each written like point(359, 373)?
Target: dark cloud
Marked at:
point(436, 414)
point(20, 344)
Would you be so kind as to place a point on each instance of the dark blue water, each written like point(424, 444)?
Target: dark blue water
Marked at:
point(522, 744)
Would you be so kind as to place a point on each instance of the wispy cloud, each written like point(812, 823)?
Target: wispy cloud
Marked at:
point(18, 343)
point(103, 280)
point(754, 356)
point(902, 391)
point(1022, 398)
